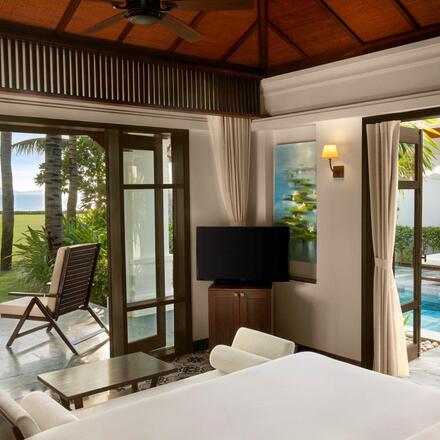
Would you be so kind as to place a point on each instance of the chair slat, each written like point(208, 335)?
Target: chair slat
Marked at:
point(77, 278)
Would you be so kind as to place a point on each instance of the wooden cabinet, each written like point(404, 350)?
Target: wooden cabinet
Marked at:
point(233, 307)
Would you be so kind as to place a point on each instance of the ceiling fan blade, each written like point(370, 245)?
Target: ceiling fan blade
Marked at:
point(211, 5)
point(103, 24)
point(180, 28)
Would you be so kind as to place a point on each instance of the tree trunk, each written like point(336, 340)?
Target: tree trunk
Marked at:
point(7, 201)
point(72, 200)
point(52, 194)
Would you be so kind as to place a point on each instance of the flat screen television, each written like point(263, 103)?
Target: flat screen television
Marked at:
point(254, 255)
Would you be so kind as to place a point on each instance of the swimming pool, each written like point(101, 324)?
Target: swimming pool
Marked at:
point(430, 312)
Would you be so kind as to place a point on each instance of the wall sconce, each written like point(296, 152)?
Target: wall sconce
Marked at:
point(331, 152)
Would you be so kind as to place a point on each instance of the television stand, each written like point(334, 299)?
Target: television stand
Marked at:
point(232, 306)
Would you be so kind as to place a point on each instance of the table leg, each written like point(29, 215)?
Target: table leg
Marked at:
point(78, 402)
point(134, 387)
point(65, 403)
point(154, 382)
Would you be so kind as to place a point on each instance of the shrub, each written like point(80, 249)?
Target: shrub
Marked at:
point(35, 267)
point(405, 242)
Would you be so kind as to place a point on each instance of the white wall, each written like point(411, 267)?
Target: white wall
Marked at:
point(330, 101)
point(325, 315)
point(393, 73)
point(207, 209)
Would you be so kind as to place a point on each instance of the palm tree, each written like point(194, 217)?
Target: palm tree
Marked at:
point(72, 199)
point(51, 177)
point(52, 193)
point(7, 201)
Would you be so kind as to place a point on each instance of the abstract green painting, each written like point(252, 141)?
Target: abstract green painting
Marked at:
point(295, 203)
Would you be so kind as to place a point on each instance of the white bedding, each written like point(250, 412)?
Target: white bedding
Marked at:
point(302, 396)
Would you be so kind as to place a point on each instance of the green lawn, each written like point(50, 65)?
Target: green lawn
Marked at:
point(9, 281)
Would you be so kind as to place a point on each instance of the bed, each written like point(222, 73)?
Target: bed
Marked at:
point(302, 396)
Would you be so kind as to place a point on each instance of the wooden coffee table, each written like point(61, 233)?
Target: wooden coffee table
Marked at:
point(72, 384)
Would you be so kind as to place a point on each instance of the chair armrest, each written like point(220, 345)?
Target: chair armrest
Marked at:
point(227, 359)
point(262, 344)
point(46, 412)
point(50, 295)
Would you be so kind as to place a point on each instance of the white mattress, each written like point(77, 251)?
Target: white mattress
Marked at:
point(302, 396)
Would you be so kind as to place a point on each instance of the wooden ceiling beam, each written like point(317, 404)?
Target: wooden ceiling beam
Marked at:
point(342, 24)
point(123, 35)
point(406, 14)
point(194, 22)
point(67, 16)
point(286, 39)
point(263, 38)
point(412, 36)
point(240, 41)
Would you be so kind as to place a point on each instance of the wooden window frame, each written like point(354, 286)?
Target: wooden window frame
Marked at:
point(108, 137)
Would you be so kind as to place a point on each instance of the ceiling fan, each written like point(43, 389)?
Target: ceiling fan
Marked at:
point(147, 12)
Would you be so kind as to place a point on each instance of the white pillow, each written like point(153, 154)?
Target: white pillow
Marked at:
point(228, 359)
point(262, 344)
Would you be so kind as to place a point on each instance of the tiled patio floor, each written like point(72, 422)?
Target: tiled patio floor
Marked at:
point(41, 351)
point(426, 369)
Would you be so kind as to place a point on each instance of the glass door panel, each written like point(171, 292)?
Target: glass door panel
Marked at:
point(141, 324)
point(140, 244)
point(138, 166)
point(168, 244)
point(141, 169)
point(151, 192)
point(404, 247)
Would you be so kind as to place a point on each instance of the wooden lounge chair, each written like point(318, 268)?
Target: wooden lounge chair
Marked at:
point(69, 290)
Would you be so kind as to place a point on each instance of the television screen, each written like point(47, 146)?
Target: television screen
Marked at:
point(243, 254)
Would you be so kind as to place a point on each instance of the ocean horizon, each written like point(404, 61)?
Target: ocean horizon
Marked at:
point(29, 201)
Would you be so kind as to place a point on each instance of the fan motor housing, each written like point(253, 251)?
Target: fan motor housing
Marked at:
point(143, 16)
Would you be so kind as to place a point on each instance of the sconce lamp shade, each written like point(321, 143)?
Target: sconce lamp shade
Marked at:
point(330, 152)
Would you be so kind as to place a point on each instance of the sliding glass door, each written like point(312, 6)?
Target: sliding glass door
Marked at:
point(408, 255)
point(154, 242)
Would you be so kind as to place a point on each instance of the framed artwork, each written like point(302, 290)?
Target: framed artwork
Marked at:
point(295, 202)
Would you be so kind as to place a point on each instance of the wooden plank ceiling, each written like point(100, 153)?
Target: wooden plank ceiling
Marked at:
point(277, 36)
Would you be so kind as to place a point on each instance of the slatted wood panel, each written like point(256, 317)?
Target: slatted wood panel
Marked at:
point(76, 278)
point(54, 70)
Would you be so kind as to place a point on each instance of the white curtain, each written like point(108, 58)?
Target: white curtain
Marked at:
point(390, 355)
point(231, 139)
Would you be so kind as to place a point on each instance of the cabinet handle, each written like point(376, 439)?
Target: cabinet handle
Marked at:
point(236, 294)
point(243, 295)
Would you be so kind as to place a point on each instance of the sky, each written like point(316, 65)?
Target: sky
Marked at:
point(25, 166)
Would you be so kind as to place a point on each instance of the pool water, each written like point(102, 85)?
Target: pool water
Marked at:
point(430, 311)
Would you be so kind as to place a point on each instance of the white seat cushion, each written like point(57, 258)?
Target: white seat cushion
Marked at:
point(432, 433)
point(93, 410)
point(17, 307)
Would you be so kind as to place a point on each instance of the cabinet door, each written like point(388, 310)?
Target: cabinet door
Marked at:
point(256, 310)
point(224, 316)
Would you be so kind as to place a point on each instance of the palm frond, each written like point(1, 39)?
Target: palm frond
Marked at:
point(35, 145)
point(30, 146)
